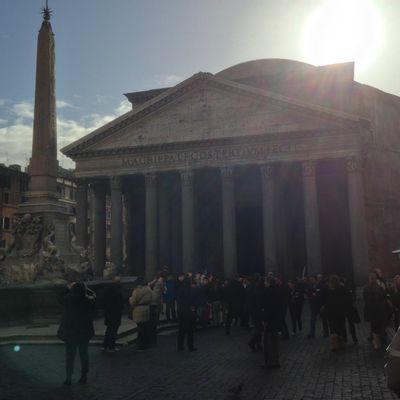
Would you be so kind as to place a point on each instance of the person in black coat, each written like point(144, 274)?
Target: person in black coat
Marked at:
point(296, 302)
point(76, 328)
point(284, 292)
point(186, 314)
point(375, 308)
point(336, 305)
point(113, 304)
point(256, 294)
point(272, 322)
point(352, 315)
point(316, 294)
point(233, 298)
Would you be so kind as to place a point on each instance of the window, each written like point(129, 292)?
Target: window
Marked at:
point(6, 197)
point(6, 223)
point(23, 184)
point(5, 181)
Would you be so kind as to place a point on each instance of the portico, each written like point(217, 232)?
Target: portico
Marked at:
point(212, 172)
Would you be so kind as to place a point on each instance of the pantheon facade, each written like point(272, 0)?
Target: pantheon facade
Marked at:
point(269, 165)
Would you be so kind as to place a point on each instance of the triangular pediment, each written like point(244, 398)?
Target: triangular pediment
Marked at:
point(207, 108)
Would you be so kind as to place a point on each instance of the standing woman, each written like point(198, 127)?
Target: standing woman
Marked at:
point(141, 299)
point(336, 306)
point(76, 328)
point(375, 310)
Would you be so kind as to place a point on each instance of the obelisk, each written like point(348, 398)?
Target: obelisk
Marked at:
point(43, 166)
point(42, 198)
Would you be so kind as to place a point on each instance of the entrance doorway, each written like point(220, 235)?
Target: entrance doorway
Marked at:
point(249, 230)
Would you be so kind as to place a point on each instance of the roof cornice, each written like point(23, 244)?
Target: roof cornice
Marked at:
point(74, 149)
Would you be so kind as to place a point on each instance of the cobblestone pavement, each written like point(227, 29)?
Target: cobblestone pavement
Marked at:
point(309, 371)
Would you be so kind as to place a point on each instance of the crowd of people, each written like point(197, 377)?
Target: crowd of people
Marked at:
point(263, 305)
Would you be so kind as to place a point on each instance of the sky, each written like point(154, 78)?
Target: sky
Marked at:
point(106, 48)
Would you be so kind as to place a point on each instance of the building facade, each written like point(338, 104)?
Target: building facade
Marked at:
point(13, 185)
point(270, 165)
point(13, 188)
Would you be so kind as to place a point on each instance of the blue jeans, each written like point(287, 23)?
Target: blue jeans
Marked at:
point(110, 336)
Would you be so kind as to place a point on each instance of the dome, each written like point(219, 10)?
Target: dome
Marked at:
point(265, 68)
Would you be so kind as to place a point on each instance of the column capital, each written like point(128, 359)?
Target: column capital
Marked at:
point(353, 164)
point(267, 171)
point(186, 177)
point(308, 168)
point(226, 172)
point(116, 183)
point(150, 179)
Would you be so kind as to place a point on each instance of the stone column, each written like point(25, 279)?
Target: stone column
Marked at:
point(314, 265)
point(268, 213)
point(129, 243)
point(99, 211)
point(187, 221)
point(229, 222)
point(164, 220)
point(151, 225)
point(358, 226)
point(81, 226)
point(116, 222)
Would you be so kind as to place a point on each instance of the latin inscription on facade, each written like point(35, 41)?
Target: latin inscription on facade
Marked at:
point(255, 152)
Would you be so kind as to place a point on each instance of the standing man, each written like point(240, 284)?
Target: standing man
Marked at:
point(186, 315)
point(272, 323)
point(113, 305)
point(284, 292)
point(170, 297)
point(76, 328)
point(233, 297)
point(316, 294)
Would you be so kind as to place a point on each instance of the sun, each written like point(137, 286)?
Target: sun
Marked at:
point(343, 30)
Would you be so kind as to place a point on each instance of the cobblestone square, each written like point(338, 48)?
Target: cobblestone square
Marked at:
point(309, 371)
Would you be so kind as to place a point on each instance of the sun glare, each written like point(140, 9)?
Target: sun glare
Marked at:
point(343, 30)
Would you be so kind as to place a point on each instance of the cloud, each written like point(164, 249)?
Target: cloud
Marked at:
point(124, 107)
point(23, 110)
point(15, 143)
point(62, 104)
point(16, 136)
